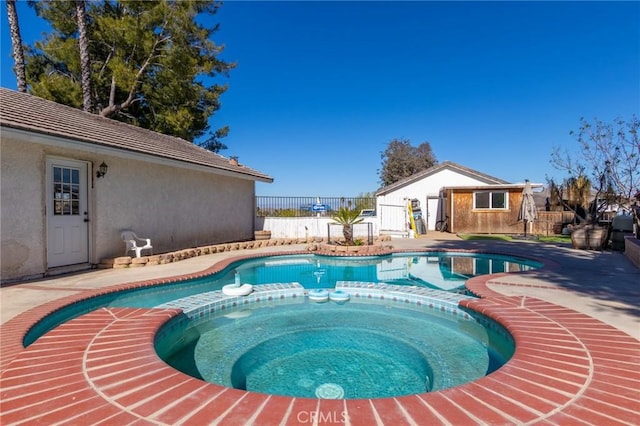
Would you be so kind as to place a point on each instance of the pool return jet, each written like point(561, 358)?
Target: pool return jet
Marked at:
point(236, 289)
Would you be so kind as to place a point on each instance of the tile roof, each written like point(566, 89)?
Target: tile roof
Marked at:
point(435, 169)
point(30, 113)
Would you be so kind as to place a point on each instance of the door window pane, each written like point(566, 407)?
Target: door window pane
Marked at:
point(66, 191)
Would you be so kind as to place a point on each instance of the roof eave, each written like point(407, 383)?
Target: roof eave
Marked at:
point(435, 169)
point(493, 186)
point(52, 139)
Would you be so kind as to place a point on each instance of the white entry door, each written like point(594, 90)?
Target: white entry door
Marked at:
point(432, 212)
point(67, 215)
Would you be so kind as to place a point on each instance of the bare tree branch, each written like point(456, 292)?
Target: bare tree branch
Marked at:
point(609, 156)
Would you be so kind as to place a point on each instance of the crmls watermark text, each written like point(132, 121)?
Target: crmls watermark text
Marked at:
point(324, 417)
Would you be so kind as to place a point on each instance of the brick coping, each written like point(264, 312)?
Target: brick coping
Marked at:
point(102, 367)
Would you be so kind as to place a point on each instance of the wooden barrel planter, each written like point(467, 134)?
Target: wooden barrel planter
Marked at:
point(262, 235)
point(589, 238)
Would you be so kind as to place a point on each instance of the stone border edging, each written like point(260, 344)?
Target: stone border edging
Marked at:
point(315, 245)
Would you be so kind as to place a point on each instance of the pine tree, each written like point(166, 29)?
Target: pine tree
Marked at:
point(148, 62)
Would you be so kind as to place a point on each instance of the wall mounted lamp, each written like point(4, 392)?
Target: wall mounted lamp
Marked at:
point(102, 170)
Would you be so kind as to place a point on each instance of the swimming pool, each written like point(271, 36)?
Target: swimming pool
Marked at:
point(438, 270)
point(383, 342)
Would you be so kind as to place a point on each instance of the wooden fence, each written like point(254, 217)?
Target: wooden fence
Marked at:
point(551, 223)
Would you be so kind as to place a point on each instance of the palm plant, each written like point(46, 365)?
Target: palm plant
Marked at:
point(16, 43)
point(347, 217)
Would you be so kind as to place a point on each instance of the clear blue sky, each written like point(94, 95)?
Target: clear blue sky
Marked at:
point(322, 87)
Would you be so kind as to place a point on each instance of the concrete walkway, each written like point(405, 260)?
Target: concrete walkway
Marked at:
point(604, 285)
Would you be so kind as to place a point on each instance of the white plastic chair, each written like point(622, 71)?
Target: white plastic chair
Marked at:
point(133, 243)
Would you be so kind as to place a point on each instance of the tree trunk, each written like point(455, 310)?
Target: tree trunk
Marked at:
point(85, 61)
point(16, 42)
point(347, 232)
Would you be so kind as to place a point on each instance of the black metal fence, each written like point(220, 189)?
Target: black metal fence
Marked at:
point(311, 206)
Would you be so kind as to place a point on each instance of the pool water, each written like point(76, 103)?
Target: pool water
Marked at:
point(442, 270)
point(350, 350)
point(445, 271)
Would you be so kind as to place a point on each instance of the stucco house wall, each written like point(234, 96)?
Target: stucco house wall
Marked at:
point(21, 209)
point(163, 188)
point(175, 208)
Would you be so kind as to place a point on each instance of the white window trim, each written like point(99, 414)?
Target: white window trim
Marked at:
point(490, 192)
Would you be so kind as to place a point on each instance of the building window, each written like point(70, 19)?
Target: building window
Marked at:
point(490, 200)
